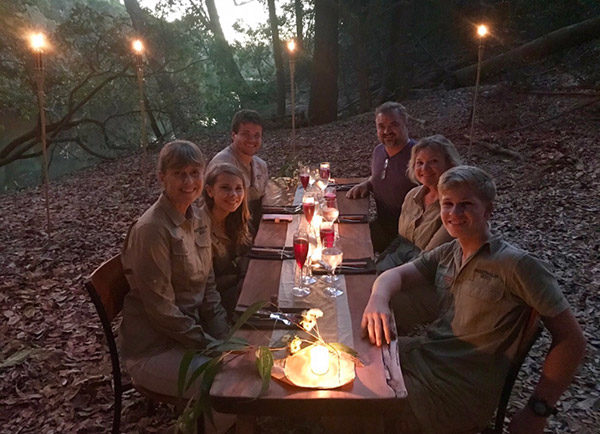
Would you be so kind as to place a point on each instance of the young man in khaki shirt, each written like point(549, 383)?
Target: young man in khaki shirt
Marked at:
point(454, 374)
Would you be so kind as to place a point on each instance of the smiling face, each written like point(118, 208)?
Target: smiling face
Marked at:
point(429, 165)
point(182, 185)
point(464, 215)
point(391, 130)
point(247, 140)
point(227, 193)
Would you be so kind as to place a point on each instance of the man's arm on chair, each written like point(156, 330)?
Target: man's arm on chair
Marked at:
point(566, 352)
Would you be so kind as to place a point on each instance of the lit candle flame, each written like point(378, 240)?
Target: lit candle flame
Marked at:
point(291, 46)
point(37, 41)
point(319, 359)
point(482, 30)
point(137, 46)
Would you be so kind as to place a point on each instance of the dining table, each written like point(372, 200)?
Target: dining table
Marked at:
point(378, 385)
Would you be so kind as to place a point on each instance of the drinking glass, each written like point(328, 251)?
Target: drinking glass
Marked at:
point(327, 234)
point(308, 278)
point(300, 253)
point(332, 257)
point(324, 171)
point(308, 207)
point(329, 207)
point(304, 175)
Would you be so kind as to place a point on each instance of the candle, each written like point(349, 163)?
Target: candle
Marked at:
point(319, 359)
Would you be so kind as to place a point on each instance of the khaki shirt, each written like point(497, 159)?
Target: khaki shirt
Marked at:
point(256, 176)
point(173, 301)
point(455, 374)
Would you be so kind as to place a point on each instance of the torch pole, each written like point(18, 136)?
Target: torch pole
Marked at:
point(477, 76)
point(143, 126)
point(293, 101)
point(39, 69)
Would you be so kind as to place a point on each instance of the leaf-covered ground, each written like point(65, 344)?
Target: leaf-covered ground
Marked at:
point(54, 368)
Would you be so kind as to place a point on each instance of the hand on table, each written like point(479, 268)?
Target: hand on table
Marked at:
point(376, 321)
point(524, 421)
point(358, 191)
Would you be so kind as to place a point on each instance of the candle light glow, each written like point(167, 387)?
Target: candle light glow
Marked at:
point(319, 359)
point(291, 45)
point(137, 46)
point(37, 41)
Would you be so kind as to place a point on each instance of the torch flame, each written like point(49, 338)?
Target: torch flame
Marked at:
point(291, 46)
point(138, 47)
point(482, 30)
point(37, 41)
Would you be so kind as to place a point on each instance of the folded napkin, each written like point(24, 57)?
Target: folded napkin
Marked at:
point(291, 209)
point(353, 218)
point(350, 266)
point(273, 253)
point(278, 217)
point(344, 187)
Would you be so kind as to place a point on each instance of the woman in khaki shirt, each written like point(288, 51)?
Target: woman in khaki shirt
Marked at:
point(173, 305)
point(419, 226)
point(226, 200)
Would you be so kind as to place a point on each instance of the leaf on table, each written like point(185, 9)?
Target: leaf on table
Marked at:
point(264, 364)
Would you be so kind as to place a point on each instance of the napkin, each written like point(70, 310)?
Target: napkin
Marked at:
point(344, 187)
point(278, 217)
point(353, 218)
point(292, 209)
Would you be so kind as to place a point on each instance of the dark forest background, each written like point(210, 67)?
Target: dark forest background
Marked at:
point(353, 55)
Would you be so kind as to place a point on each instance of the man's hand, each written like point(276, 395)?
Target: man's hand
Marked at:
point(376, 320)
point(359, 191)
point(527, 423)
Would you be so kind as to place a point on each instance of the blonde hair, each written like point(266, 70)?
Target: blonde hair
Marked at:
point(237, 222)
point(479, 181)
point(436, 143)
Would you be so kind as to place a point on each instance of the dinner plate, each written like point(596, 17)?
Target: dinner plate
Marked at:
point(297, 371)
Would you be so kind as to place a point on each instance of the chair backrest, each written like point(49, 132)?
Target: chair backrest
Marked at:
point(110, 284)
point(533, 330)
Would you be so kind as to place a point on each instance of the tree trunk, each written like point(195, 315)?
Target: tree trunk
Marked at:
point(397, 68)
point(299, 13)
point(156, 57)
point(225, 55)
point(538, 48)
point(277, 55)
point(322, 107)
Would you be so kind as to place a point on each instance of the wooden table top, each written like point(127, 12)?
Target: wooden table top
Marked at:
point(237, 386)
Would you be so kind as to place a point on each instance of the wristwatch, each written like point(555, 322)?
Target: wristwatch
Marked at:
point(540, 407)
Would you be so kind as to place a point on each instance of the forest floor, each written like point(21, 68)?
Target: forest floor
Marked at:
point(54, 367)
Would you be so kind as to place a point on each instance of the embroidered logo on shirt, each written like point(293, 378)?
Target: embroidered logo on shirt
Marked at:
point(201, 229)
point(485, 275)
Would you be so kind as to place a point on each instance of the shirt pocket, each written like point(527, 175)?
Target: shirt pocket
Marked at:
point(203, 260)
point(182, 265)
point(489, 289)
point(443, 278)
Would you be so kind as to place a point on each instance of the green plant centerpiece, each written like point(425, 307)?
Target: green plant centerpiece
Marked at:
point(221, 351)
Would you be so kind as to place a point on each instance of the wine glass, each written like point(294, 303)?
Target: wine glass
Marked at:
point(324, 171)
point(308, 278)
point(300, 253)
point(304, 175)
point(329, 207)
point(332, 257)
point(308, 207)
point(327, 234)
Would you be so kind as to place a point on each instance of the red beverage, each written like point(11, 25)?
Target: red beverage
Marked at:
point(309, 210)
point(330, 198)
point(324, 172)
point(327, 236)
point(300, 251)
point(304, 178)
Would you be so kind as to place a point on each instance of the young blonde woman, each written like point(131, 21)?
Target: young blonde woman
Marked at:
point(419, 226)
point(226, 202)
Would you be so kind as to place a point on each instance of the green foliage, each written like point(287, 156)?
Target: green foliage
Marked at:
point(264, 364)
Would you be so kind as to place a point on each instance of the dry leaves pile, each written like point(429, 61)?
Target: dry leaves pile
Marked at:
point(53, 363)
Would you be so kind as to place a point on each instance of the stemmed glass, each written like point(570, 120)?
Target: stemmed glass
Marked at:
point(329, 207)
point(332, 257)
point(304, 175)
point(308, 207)
point(324, 171)
point(300, 253)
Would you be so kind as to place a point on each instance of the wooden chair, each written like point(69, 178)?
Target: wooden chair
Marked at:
point(533, 331)
point(107, 287)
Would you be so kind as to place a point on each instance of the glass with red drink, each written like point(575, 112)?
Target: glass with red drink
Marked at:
point(324, 171)
point(308, 207)
point(327, 233)
point(304, 175)
point(301, 243)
